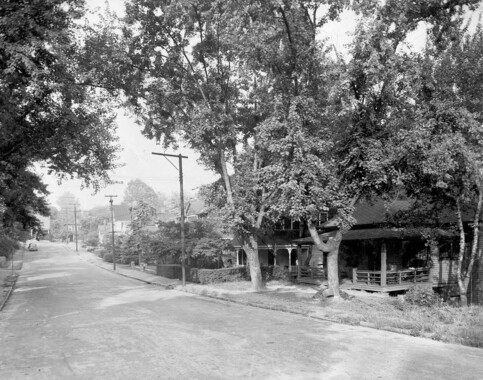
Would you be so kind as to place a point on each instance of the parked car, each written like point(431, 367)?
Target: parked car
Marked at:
point(32, 246)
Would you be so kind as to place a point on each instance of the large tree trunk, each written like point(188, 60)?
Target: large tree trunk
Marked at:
point(332, 248)
point(462, 286)
point(333, 270)
point(251, 250)
point(463, 274)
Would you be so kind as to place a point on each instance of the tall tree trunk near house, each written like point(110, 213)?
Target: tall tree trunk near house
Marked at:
point(251, 250)
point(463, 274)
point(226, 179)
point(332, 248)
point(250, 244)
point(333, 269)
point(475, 244)
point(459, 264)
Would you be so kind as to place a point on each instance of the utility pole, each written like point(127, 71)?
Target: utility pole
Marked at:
point(180, 163)
point(75, 227)
point(112, 227)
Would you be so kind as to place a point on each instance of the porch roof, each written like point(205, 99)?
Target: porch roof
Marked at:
point(269, 242)
point(371, 233)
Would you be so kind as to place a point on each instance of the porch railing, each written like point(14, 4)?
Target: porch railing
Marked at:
point(390, 278)
point(306, 272)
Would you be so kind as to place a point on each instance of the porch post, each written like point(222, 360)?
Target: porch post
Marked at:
point(290, 260)
point(238, 257)
point(275, 255)
point(299, 256)
point(383, 263)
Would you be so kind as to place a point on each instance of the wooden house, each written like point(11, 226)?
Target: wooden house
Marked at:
point(376, 256)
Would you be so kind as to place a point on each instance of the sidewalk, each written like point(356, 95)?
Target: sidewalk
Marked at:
point(147, 276)
point(9, 275)
point(297, 299)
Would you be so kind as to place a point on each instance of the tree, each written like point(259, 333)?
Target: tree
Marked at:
point(49, 113)
point(138, 191)
point(248, 85)
point(440, 156)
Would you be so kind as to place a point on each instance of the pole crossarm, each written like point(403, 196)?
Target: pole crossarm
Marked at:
point(170, 155)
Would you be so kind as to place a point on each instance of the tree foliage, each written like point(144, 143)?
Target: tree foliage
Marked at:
point(252, 87)
point(137, 191)
point(48, 114)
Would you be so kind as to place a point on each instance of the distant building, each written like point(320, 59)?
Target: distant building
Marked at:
point(44, 223)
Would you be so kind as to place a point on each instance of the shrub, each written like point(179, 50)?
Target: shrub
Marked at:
point(169, 271)
point(211, 276)
point(192, 275)
point(107, 257)
point(421, 296)
point(271, 273)
point(100, 252)
point(91, 239)
point(398, 304)
point(7, 245)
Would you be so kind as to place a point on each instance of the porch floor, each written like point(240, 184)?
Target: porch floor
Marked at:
point(387, 288)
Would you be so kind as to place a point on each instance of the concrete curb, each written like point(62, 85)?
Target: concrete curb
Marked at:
point(10, 290)
point(166, 286)
point(209, 294)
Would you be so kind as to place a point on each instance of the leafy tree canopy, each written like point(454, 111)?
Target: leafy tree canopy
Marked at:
point(138, 191)
point(48, 113)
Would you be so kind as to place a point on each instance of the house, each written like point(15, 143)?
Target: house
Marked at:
point(121, 222)
point(280, 248)
point(374, 255)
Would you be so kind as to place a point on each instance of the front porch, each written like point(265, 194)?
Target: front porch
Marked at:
point(389, 281)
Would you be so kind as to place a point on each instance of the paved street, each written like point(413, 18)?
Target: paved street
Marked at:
point(69, 319)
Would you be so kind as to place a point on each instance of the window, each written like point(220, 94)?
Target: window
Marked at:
point(321, 219)
point(287, 224)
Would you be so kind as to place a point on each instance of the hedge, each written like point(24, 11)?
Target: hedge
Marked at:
point(211, 276)
point(274, 273)
point(7, 245)
point(174, 271)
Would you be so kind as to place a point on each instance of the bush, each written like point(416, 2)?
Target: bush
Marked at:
point(107, 257)
point(91, 239)
point(7, 245)
point(274, 273)
point(169, 270)
point(421, 296)
point(192, 275)
point(100, 252)
point(212, 276)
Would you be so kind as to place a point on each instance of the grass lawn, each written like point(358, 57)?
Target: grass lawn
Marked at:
point(442, 322)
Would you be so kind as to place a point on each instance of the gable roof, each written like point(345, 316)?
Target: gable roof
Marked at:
point(374, 233)
point(376, 212)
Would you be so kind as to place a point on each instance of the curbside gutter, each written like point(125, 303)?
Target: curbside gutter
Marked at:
point(218, 295)
point(12, 280)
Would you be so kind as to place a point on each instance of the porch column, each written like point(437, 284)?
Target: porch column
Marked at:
point(275, 255)
point(299, 257)
point(383, 263)
point(290, 260)
point(237, 258)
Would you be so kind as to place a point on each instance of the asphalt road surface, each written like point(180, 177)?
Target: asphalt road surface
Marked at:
point(68, 319)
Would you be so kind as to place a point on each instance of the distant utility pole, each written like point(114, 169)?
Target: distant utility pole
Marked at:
point(180, 157)
point(75, 227)
point(112, 226)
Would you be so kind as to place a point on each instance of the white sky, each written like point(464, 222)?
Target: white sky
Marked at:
point(139, 162)
point(155, 170)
